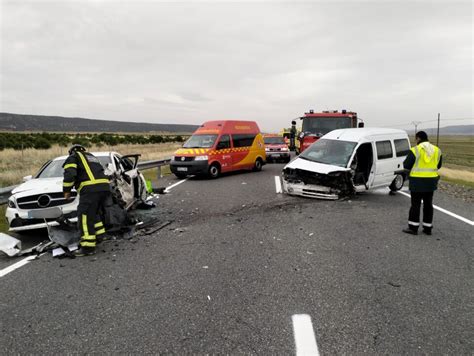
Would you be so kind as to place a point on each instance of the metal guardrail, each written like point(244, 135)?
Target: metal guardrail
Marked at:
point(6, 192)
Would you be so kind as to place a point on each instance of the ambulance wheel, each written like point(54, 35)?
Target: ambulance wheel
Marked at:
point(397, 183)
point(180, 175)
point(258, 165)
point(214, 171)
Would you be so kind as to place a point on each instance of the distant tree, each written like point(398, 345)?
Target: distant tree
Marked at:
point(41, 143)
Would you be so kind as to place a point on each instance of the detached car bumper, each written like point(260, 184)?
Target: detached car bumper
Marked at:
point(310, 190)
point(189, 168)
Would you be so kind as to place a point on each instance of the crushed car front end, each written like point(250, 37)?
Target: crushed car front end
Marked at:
point(331, 186)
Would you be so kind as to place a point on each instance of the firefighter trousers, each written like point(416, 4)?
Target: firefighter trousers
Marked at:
point(414, 214)
point(89, 217)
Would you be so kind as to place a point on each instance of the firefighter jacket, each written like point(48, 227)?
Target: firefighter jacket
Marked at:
point(83, 171)
point(423, 161)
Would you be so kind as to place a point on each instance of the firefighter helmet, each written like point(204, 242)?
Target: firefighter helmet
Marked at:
point(76, 148)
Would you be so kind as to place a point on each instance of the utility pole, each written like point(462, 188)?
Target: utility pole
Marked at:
point(416, 123)
point(437, 134)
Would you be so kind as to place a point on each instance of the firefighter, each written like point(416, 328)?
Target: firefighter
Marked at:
point(293, 136)
point(423, 162)
point(83, 171)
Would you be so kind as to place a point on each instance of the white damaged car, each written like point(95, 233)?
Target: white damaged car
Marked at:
point(45, 190)
point(347, 161)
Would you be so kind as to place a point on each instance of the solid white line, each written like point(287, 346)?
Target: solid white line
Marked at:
point(305, 341)
point(174, 185)
point(278, 185)
point(447, 212)
point(17, 265)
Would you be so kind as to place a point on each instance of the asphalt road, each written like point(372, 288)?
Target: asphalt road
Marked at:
point(237, 262)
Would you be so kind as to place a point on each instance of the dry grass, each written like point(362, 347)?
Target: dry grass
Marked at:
point(16, 164)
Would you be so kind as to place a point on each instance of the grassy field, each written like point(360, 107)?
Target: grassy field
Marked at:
point(14, 165)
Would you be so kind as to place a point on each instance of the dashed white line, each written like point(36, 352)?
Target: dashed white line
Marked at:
point(278, 185)
point(305, 340)
point(174, 185)
point(447, 212)
point(17, 265)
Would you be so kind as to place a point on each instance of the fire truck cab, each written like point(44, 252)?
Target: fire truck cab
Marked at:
point(315, 125)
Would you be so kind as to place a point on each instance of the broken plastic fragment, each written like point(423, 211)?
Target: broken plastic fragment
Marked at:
point(9, 245)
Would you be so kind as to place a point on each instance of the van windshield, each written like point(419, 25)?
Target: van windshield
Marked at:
point(334, 152)
point(200, 141)
point(274, 140)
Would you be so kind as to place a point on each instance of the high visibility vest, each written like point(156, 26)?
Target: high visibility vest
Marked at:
point(426, 166)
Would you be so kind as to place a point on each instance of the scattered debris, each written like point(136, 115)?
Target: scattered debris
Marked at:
point(9, 245)
point(393, 284)
point(311, 233)
point(209, 297)
point(205, 267)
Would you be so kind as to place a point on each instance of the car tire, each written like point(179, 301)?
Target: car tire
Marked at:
point(397, 183)
point(258, 165)
point(214, 171)
point(180, 175)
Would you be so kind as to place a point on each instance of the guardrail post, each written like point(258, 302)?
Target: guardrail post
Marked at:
point(159, 172)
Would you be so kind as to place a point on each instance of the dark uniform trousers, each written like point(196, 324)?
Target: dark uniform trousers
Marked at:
point(89, 217)
point(414, 214)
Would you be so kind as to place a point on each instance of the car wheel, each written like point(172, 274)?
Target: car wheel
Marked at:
point(258, 165)
point(397, 183)
point(180, 175)
point(214, 171)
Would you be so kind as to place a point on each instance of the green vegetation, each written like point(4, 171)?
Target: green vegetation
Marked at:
point(3, 220)
point(45, 140)
point(458, 151)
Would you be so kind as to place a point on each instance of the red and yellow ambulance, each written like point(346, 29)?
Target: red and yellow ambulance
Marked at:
point(220, 146)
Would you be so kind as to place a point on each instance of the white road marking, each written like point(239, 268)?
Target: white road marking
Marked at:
point(278, 185)
point(305, 341)
point(447, 212)
point(17, 265)
point(174, 185)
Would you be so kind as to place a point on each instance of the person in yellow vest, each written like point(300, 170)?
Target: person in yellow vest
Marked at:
point(423, 162)
point(83, 171)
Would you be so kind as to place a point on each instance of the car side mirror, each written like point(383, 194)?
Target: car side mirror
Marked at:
point(27, 178)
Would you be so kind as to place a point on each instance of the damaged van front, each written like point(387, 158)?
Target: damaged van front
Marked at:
point(321, 171)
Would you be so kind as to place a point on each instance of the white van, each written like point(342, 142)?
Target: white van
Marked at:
point(347, 161)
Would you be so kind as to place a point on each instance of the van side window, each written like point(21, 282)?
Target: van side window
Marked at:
point(384, 149)
point(243, 140)
point(224, 142)
point(402, 147)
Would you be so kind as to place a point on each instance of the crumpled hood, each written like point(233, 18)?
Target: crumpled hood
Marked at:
point(427, 151)
point(40, 185)
point(311, 166)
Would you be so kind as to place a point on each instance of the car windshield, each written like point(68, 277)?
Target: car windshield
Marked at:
point(322, 125)
point(200, 141)
point(54, 169)
point(332, 152)
point(274, 140)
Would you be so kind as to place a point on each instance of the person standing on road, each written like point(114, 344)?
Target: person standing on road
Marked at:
point(423, 162)
point(83, 171)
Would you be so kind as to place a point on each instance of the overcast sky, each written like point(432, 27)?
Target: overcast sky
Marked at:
point(188, 62)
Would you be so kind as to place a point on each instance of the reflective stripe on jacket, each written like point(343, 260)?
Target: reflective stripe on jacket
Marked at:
point(85, 172)
point(427, 157)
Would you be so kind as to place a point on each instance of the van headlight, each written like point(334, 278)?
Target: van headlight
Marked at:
point(11, 203)
point(285, 149)
point(267, 149)
point(201, 158)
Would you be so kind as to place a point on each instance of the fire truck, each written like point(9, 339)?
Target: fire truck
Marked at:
point(318, 124)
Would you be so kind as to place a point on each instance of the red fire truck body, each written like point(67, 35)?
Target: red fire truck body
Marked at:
point(318, 124)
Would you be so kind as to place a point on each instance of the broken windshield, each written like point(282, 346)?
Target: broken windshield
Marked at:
point(333, 152)
point(200, 141)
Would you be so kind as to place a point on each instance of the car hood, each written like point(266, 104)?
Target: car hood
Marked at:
point(40, 185)
point(311, 166)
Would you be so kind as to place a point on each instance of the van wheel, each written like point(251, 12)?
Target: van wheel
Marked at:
point(258, 165)
point(180, 175)
point(397, 183)
point(214, 171)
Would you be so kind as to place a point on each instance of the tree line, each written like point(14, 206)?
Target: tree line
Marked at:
point(46, 140)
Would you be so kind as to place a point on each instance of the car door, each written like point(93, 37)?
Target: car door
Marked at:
point(385, 163)
point(223, 149)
